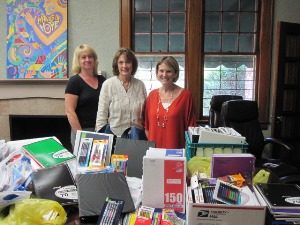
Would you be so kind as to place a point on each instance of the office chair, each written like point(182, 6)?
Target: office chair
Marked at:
point(215, 108)
point(242, 115)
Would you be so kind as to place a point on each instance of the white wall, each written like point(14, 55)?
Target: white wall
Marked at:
point(287, 10)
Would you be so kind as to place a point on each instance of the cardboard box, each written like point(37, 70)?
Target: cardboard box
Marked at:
point(217, 214)
point(252, 210)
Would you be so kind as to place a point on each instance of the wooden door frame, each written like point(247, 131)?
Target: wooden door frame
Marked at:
point(281, 31)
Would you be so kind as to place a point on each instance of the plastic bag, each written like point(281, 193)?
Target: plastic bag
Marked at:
point(4, 151)
point(35, 212)
point(199, 164)
point(16, 170)
point(262, 176)
point(12, 197)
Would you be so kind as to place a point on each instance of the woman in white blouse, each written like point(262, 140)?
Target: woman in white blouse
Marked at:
point(122, 97)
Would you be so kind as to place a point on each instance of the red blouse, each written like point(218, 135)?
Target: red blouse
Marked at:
point(176, 120)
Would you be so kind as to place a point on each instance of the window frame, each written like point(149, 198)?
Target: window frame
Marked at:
point(194, 52)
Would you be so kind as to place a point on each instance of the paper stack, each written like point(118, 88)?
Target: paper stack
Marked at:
point(220, 135)
point(164, 172)
point(283, 201)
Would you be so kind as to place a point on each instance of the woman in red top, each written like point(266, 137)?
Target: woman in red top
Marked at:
point(169, 109)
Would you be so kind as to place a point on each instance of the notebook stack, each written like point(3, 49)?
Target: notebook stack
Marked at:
point(283, 201)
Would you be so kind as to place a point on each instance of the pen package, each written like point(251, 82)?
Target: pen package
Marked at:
point(208, 192)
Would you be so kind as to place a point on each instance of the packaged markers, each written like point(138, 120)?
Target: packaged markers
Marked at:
point(144, 216)
point(119, 163)
point(227, 193)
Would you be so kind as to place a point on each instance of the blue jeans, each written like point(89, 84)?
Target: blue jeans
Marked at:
point(105, 129)
point(136, 133)
point(133, 132)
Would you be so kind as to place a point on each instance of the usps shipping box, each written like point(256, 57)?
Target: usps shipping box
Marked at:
point(164, 179)
point(252, 210)
point(215, 214)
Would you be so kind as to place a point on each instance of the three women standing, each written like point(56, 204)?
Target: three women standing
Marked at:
point(166, 115)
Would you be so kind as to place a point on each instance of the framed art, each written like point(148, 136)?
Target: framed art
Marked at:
point(37, 39)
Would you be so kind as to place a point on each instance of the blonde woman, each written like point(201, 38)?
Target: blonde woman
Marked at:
point(82, 91)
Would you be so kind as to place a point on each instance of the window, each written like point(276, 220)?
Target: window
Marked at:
point(158, 29)
point(146, 70)
point(230, 34)
point(159, 26)
point(227, 45)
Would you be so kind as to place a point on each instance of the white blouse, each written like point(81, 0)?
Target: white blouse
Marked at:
point(117, 107)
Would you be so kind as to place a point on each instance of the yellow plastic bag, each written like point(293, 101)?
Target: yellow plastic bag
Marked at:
point(262, 176)
point(35, 212)
point(199, 164)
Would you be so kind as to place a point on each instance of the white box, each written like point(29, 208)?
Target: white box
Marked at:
point(164, 180)
point(252, 211)
point(212, 137)
point(217, 214)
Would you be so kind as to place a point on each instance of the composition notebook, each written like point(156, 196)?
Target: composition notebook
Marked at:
point(48, 152)
point(280, 195)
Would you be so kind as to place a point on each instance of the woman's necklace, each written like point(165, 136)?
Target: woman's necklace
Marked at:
point(168, 101)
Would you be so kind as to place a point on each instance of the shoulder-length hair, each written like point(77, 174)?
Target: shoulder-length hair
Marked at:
point(79, 50)
point(172, 63)
point(130, 57)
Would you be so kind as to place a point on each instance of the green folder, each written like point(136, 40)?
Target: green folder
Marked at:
point(48, 152)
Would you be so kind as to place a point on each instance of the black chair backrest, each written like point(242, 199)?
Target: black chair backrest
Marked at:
point(216, 102)
point(242, 115)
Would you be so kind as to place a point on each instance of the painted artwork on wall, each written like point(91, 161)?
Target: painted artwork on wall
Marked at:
point(37, 39)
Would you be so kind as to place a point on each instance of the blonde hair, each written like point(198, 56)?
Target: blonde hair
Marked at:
point(172, 63)
point(83, 48)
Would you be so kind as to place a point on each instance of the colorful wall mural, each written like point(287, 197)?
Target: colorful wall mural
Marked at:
point(37, 39)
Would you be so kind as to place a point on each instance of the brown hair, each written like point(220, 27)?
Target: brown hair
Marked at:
point(130, 57)
point(171, 62)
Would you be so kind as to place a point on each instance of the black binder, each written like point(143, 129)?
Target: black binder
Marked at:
point(135, 149)
point(55, 183)
point(93, 189)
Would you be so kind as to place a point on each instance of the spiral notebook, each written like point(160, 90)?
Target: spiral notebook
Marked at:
point(48, 152)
